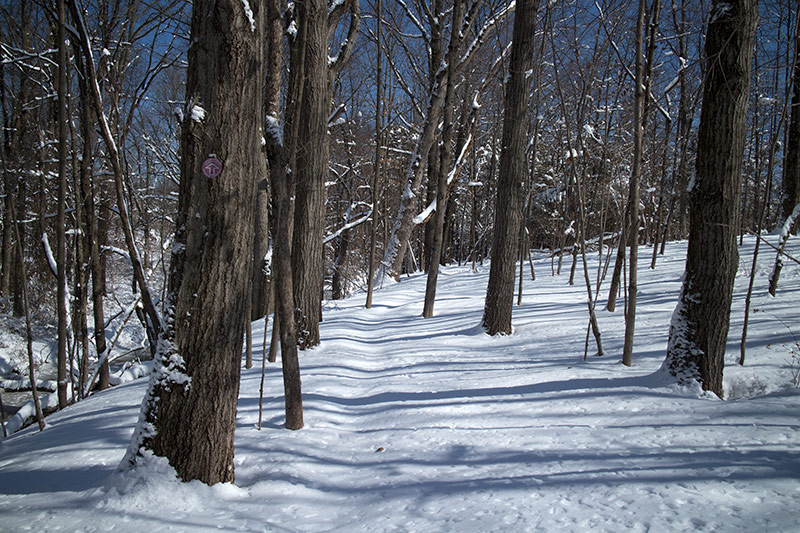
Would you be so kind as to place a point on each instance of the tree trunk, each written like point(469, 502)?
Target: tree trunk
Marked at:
point(791, 166)
point(636, 177)
point(376, 169)
point(442, 166)
point(508, 207)
point(94, 238)
point(260, 292)
point(191, 403)
point(339, 282)
point(28, 331)
point(699, 329)
point(310, 176)
point(61, 245)
point(397, 244)
point(283, 324)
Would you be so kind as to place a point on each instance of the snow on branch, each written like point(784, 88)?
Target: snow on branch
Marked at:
point(349, 225)
point(248, 11)
point(484, 31)
point(462, 156)
point(338, 61)
point(48, 253)
point(414, 20)
point(789, 222)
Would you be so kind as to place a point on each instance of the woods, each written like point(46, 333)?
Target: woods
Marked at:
point(354, 143)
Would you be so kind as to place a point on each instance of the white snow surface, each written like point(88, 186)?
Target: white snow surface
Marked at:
point(416, 424)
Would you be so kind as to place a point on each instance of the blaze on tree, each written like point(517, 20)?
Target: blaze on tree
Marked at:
point(699, 329)
point(189, 413)
point(508, 213)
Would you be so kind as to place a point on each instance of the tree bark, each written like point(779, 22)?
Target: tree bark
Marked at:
point(279, 155)
point(61, 245)
point(790, 186)
point(310, 175)
point(699, 329)
point(636, 176)
point(376, 170)
point(442, 166)
point(508, 207)
point(190, 409)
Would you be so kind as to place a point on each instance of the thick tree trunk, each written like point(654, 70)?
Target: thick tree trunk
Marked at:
point(191, 403)
point(699, 329)
point(508, 207)
point(311, 174)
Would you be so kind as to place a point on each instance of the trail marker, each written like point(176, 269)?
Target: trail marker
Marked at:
point(212, 167)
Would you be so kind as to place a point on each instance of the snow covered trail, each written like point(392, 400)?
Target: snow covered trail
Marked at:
point(423, 425)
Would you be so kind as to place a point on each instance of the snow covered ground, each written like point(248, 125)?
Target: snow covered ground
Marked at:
point(417, 424)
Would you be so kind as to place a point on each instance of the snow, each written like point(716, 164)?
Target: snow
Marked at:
point(720, 10)
point(48, 253)
point(248, 11)
point(291, 31)
point(198, 114)
point(274, 129)
point(427, 424)
point(423, 216)
point(334, 5)
point(789, 222)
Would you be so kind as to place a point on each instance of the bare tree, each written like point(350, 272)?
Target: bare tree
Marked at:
point(404, 223)
point(280, 142)
point(790, 184)
point(311, 170)
point(508, 213)
point(61, 247)
point(699, 329)
point(189, 412)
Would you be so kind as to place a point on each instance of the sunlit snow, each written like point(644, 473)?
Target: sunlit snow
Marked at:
point(427, 424)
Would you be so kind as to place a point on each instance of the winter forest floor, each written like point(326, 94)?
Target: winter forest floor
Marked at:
point(417, 424)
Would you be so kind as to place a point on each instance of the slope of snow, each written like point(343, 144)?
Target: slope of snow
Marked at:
point(417, 424)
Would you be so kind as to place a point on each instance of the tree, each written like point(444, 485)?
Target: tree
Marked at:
point(442, 167)
point(636, 176)
point(699, 329)
point(791, 166)
point(508, 210)
point(398, 242)
point(61, 259)
point(311, 172)
point(373, 235)
point(279, 156)
point(189, 412)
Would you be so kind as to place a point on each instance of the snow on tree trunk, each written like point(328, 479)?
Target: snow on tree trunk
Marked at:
point(699, 328)
point(189, 412)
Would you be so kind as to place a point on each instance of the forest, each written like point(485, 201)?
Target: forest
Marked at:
point(203, 185)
